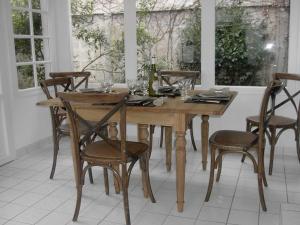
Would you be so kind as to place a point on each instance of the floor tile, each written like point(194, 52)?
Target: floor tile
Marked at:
point(243, 217)
point(214, 214)
point(290, 218)
point(146, 218)
point(55, 218)
point(28, 199)
point(269, 219)
point(11, 210)
point(31, 215)
point(172, 220)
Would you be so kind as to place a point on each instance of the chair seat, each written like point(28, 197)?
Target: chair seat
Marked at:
point(233, 140)
point(106, 151)
point(275, 121)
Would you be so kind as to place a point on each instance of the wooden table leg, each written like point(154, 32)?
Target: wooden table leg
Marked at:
point(143, 135)
point(204, 139)
point(113, 133)
point(168, 144)
point(180, 160)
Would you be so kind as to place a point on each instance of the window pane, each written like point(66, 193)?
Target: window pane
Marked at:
point(20, 21)
point(169, 30)
point(37, 24)
point(98, 39)
point(40, 71)
point(41, 45)
point(19, 3)
point(251, 41)
point(23, 50)
point(36, 4)
point(25, 76)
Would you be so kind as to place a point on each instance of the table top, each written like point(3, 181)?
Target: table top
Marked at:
point(171, 105)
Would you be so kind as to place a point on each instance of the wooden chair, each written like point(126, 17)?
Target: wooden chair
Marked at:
point(230, 141)
point(278, 122)
point(77, 78)
point(172, 78)
point(58, 116)
point(107, 153)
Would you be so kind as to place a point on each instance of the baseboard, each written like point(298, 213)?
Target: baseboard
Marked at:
point(36, 146)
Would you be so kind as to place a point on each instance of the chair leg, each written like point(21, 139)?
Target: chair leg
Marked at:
point(212, 174)
point(55, 153)
point(106, 183)
point(297, 143)
point(261, 192)
point(78, 202)
point(151, 129)
point(91, 175)
point(219, 166)
point(248, 128)
point(161, 136)
point(273, 142)
point(125, 194)
point(168, 146)
point(263, 169)
point(192, 135)
point(145, 160)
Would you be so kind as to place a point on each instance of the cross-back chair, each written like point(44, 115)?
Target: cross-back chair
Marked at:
point(278, 122)
point(77, 78)
point(231, 141)
point(58, 116)
point(171, 78)
point(107, 153)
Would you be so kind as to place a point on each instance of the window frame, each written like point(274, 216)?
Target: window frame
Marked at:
point(47, 62)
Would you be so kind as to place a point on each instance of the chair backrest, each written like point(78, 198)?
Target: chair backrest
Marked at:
point(57, 114)
point(75, 102)
point(63, 84)
point(285, 77)
point(77, 78)
point(265, 113)
point(172, 77)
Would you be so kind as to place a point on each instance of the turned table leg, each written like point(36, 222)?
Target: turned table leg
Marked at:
point(143, 135)
point(113, 133)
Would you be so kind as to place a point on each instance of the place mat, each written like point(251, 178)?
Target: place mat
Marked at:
point(168, 91)
point(143, 101)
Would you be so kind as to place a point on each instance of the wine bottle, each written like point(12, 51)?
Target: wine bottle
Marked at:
point(153, 79)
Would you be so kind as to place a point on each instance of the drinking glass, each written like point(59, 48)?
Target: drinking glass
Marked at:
point(131, 86)
point(144, 85)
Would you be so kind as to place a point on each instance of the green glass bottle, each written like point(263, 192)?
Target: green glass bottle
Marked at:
point(153, 79)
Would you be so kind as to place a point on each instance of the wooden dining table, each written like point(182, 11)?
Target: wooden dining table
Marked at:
point(173, 113)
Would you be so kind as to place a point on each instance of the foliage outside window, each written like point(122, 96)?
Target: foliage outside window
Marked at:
point(30, 41)
point(171, 31)
point(251, 41)
point(98, 38)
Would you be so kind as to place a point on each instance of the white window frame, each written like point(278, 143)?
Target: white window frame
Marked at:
point(208, 45)
point(45, 37)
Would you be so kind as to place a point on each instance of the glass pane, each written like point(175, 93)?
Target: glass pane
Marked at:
point(23, 50)
point(251, 41)
point(40, 71)
point(37, 24)
point(170, 31)
point(19, 3)
point(20, 21)
point(36, 4)
point(98, 38)
point(41, 45)
point(25, 76)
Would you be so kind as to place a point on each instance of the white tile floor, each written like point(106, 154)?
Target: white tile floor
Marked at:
point(27, 196)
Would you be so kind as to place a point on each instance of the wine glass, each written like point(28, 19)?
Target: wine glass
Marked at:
point(131, 86)
point(144, 85)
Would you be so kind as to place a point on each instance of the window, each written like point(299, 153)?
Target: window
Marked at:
point(98, 38)
point(170, 31)
point(29, 18)
point(251, 41)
